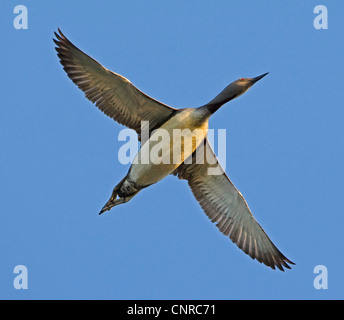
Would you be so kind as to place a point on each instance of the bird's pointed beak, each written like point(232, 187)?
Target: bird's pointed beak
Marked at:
point(254, 80)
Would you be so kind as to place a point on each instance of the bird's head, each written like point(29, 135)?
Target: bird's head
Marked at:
point(235, 89)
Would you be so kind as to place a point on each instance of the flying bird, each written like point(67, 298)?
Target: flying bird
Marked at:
point(119, 99)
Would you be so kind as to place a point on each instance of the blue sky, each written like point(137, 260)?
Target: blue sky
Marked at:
point(59, 161)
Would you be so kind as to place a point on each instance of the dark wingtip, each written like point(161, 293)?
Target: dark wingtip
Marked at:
point(60, 32)
point(285, 264)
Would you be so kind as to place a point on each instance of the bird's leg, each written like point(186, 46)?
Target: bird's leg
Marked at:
point(115, 202)
point(124, 199)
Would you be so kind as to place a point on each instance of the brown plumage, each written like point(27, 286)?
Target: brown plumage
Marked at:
point(225, 206)
point(111, 93)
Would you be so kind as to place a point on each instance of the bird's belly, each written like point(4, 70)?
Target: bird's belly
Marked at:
point(167, 149)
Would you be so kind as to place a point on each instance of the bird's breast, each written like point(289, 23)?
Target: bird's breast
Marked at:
point(168, 147)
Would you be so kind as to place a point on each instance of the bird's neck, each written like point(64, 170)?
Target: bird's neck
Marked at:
point(216, 103)
point(213, 107)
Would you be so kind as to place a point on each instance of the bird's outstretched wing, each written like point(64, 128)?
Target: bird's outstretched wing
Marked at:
point(225, 205)
point(112, 93)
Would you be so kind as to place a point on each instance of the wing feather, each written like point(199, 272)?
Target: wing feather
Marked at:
point(226, 207)
point(112, 93)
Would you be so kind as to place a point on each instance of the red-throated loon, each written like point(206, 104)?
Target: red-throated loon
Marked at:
point(221, 201)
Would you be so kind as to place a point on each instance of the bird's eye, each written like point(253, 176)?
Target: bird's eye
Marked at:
point(242, 79)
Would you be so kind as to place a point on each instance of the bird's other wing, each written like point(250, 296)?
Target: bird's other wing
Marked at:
point(225, 205)
point(112, 93)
